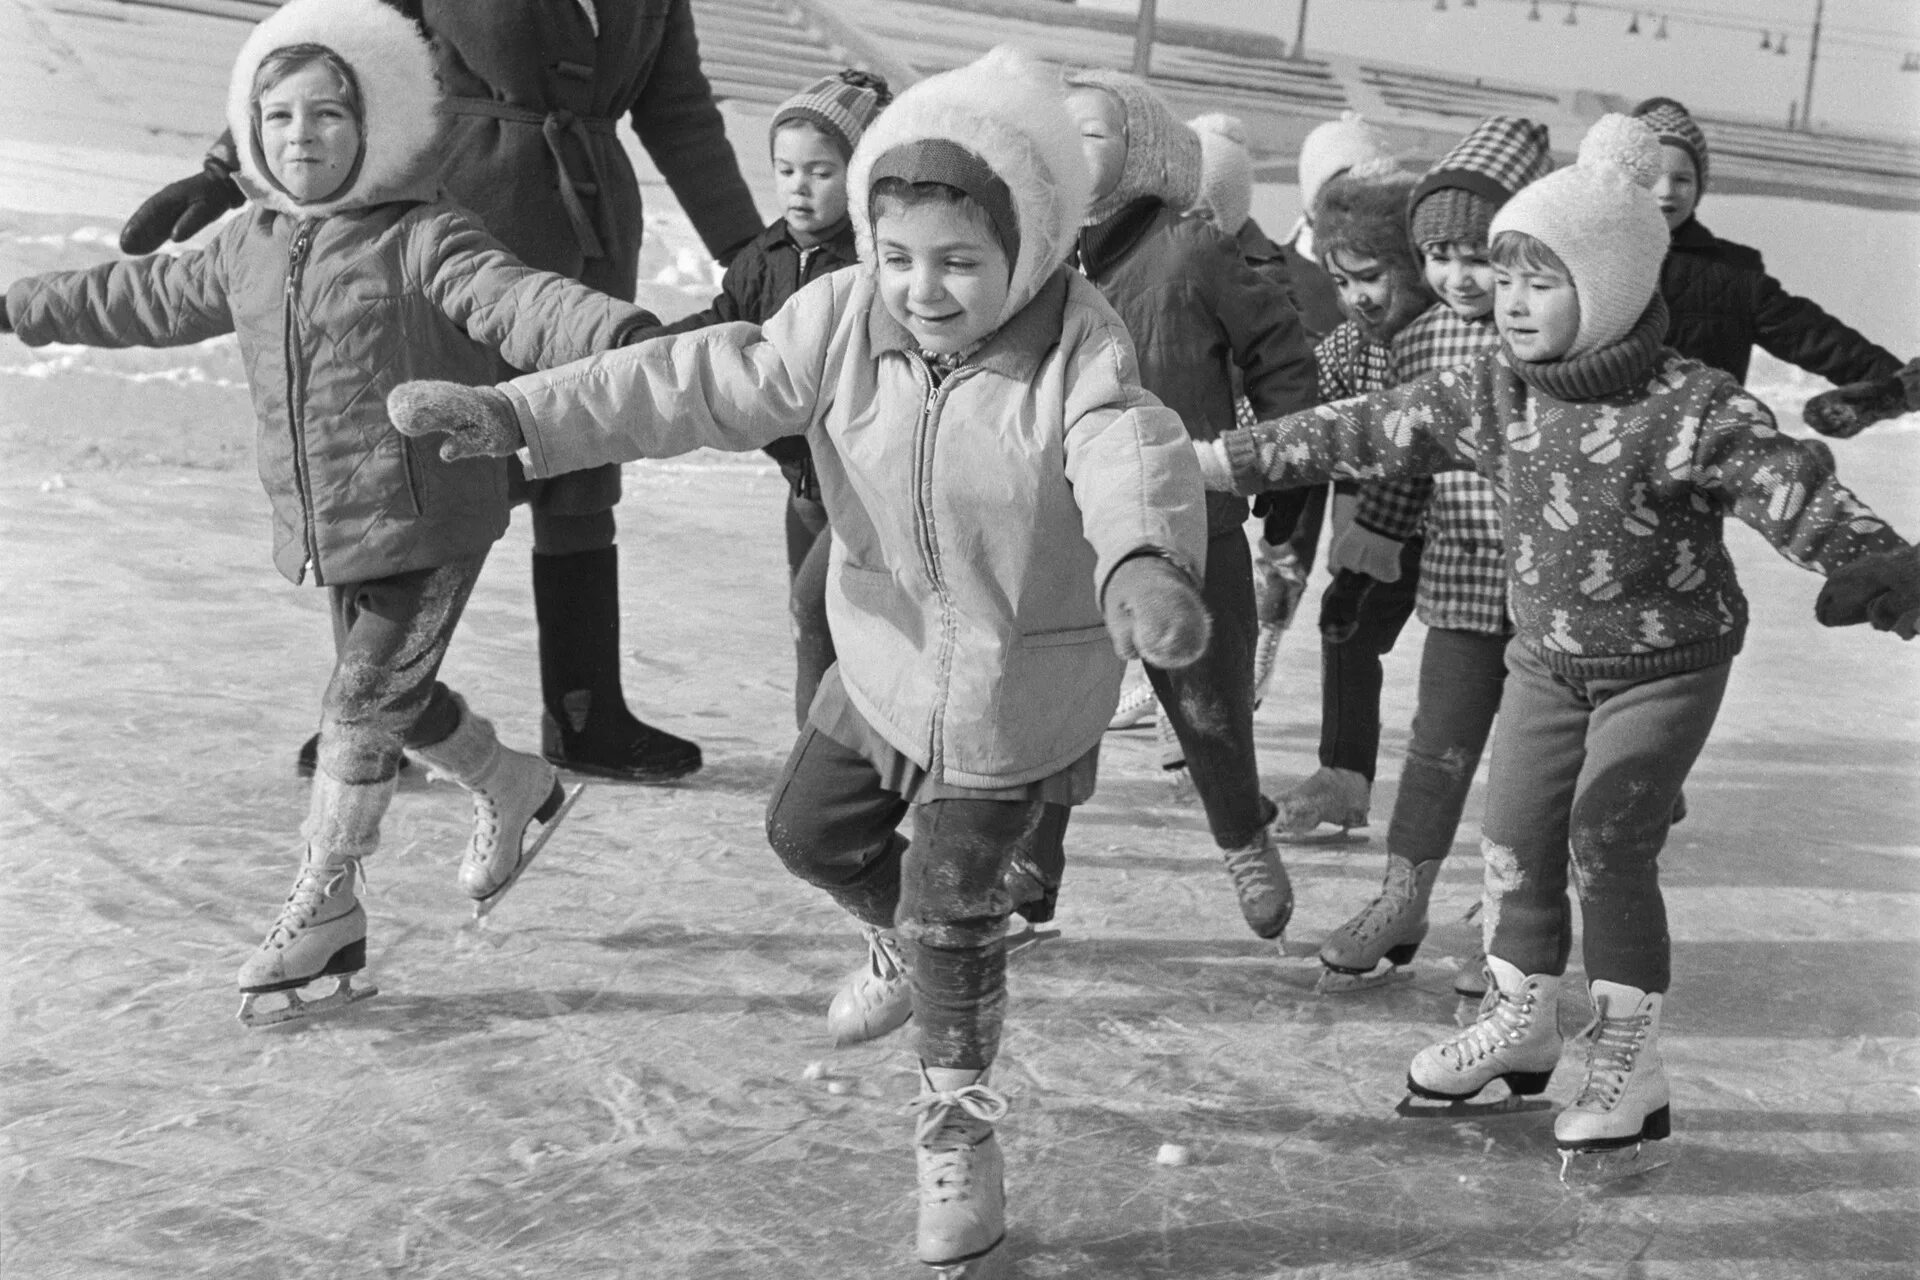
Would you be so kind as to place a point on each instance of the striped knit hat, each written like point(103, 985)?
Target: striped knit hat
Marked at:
point(841, 106)
point(1226, 171)
point(1456, 200)
point(1675, 126)
point(1163, 155)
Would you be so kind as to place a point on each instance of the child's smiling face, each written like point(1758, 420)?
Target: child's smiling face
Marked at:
point(1537, 311)
point(309, 133)
point(811, 177)
point(1461, 277)
point(1371, 296)
point(1103, 135)
point(942, 273)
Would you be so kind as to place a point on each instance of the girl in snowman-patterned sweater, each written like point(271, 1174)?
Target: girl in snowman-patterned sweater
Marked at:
point(1617, 461)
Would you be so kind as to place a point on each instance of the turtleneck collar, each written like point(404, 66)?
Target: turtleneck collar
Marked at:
point(1616, 367)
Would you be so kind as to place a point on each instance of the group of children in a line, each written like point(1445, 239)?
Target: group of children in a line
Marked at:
point(998, 361)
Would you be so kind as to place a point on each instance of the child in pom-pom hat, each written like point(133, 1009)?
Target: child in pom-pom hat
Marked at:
point(1618, 460)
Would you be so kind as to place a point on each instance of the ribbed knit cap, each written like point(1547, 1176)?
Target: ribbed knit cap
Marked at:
point(1335, 147)
point(1163, 155)
point(1226, 171)
point(841, 106)
point(1456, 200)
point(1674, 124)
point(949, 163)
point(1600, 218)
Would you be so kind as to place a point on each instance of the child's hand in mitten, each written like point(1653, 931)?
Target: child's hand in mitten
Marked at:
point(1883, 589)
point(1849, 410)
point(1340, 605)
point(478, 422)
point(1155, 614)
point(180, 209)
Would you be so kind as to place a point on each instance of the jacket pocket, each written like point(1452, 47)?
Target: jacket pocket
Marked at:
point(414, 468)
point(1063, 636)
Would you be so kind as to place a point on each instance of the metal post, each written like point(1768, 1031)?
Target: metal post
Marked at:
point(1813, 54)
point(1143, 39)
point(1300, 34)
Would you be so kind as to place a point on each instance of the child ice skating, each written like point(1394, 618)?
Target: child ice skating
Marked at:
point(346, 276)
point(1197, 314)
point(813, 137)
point(998, 483)
point(1618, 459)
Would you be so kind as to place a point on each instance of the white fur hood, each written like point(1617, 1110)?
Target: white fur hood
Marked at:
point(394, 66)
point(1010, 110)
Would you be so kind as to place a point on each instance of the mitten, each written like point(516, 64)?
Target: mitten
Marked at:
point(179, 209)
point(1155, 614)
point(1362, 550)
point(1882, 589)
point(1340, 606)
point(1849, 410)
point(479, 422)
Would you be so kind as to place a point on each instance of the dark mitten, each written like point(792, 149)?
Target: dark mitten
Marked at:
point(1155, 614)
point(1340, 606)
point(1882, 589)
point(179, 209)
point(478, 422)
point(1849, 410)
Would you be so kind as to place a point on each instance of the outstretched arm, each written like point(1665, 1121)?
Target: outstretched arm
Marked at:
point(140, 302)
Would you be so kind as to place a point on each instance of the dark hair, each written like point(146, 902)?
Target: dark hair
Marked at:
point(285, 61)
point(1517, 249)
point(901, 194)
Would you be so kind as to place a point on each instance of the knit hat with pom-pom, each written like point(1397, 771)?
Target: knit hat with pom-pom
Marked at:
point(1335, 147)
point(841, 106)
point(1600, 218)
point(1226, 171)
point(1675, 126)
point(1163, 155)
point(1456, 200)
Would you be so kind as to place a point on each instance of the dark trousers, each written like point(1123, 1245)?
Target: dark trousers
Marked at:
point(834, 826)
point(1210, 704)
point(1350, 672)
point(1462, 674)
point(809, 548)
point(389, 637)
point(1585, 774)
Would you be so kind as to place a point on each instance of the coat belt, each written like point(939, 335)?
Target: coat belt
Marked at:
point(554, 125)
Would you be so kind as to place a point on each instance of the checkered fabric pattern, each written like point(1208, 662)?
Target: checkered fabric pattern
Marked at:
point(1511, 150)
point(1463, 570)
point(1351, 364)
point(1675, 124)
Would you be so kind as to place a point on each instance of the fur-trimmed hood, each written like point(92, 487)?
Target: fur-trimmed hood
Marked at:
point(400, 96)
point(1010, 110)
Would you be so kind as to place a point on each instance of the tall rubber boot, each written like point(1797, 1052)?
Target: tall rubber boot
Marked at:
point(586, 727)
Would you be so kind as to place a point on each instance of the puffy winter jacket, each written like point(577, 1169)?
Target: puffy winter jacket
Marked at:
point(337, 302)
point(1722, 303)
point(1197, 311)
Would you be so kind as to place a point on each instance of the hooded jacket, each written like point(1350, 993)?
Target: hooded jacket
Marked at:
point(335, 303)
point(977, 517)
point(1721, 304)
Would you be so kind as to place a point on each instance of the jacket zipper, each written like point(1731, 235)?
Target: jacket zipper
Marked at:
point(302, 480)
point(923, 441)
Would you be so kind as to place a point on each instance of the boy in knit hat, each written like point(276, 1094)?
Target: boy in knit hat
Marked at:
point(998, 482)
point(813, 137)
point(1197, 314)
point(1618, 460)
point(1721, 303)
point(1377, 560)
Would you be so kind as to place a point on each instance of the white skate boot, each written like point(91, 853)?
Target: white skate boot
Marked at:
point(1278, 586)
point(1623, 1103)
point(963, 1205)
point(1516, 1040)
point(1388, 930)
point(511, 791)
point(1135, 708)
point(1336, 797)
point(1260, 882)
point(322, 929)
point(874, 999)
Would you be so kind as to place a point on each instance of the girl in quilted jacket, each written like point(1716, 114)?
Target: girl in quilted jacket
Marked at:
point(1009, 509)
point(346, 275)
point(1616, 460)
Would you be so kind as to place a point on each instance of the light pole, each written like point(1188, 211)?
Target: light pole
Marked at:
point(1813, 55)
point(1300, 33)
point(1143, 39)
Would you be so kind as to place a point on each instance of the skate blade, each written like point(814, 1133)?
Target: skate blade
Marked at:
point(1335, 983)
point(1342, 838)
point(996, 1265)
point(1598, 1168)
point(484, 906)
point(343, 994)
point(1414, 1107)
point(1027, 938)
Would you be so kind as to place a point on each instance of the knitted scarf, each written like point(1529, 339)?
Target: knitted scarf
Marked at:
point(1617, 367)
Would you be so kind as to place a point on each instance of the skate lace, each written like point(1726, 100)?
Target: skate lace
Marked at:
point(1615, 1045)
point(1248, 869)
point(1503, 1021)
point(315, 885)
point(949, 1126)
point(1385, 911)
point(884, 959)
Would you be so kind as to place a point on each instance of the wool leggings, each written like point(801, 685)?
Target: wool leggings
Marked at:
point(1462, 674)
